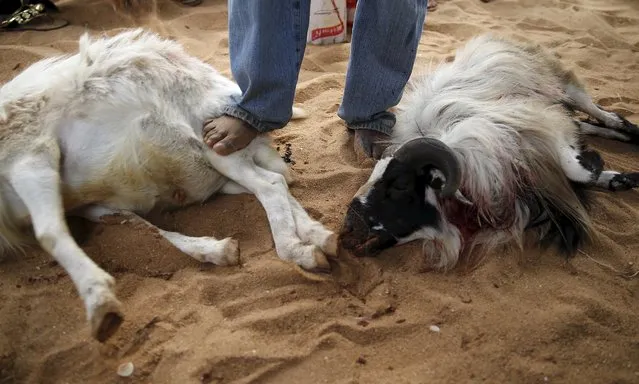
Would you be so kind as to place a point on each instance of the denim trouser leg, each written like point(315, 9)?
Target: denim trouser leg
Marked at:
point(267, 39)
point(383, 50)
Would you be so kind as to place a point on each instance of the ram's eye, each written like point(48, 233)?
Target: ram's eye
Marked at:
point(402, 183)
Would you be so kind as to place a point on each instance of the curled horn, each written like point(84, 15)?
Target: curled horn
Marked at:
point(425, 151)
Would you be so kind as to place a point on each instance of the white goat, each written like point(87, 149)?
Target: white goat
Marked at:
point(483, 149)
point(116, 129)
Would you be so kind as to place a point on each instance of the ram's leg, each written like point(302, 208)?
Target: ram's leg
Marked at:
point(591, 129)
point(36, 181)
point(272, 192)
point(580, 100)
point(614, 181)
point(204, 249)
point(580, 166)
point(586, 167)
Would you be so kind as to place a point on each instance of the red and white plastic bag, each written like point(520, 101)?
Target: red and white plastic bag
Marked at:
point(328, 22)
point(350, 12)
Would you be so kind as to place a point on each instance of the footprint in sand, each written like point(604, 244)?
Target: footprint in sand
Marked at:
point(235, 369)
point(590, 42)
point(460, 31)
point(539, 24)
point(619, 21)
point(610, 101)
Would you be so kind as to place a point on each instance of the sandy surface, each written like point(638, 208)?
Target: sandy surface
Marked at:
point(531, 319)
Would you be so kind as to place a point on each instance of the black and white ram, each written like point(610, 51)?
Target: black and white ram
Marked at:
point(484, 149)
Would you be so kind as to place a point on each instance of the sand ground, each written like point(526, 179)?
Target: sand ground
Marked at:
point(530, 319)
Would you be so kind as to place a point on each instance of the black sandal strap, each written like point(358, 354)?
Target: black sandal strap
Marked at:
point(23, 15)
point(22, 19)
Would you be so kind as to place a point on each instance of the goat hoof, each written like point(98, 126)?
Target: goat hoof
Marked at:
point(232, 251)
point(321, 262)
point(106, 320)
point(330, 247)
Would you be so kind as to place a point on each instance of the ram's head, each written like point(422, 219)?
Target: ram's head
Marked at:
point(400, 201)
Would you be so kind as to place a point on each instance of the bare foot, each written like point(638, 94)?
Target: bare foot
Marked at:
point(227, 134)
point(370, 143)
point(432, 5)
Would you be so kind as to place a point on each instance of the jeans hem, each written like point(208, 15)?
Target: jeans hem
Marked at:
point(383, 124)
point(239, 113)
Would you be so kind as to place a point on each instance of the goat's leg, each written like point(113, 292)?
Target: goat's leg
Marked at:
point(312, 231)
point(233, 188)
point(36, 181)
point(266, 157)
point(309, 230)
point(580, 100)
point(203, 249)
point(586, 167)
point(272, 191)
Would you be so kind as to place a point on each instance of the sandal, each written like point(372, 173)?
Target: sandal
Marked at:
point(30, 17)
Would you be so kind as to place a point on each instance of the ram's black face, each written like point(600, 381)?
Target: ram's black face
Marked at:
point(390, 208)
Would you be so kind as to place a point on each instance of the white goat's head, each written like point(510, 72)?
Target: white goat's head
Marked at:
point(400, 201)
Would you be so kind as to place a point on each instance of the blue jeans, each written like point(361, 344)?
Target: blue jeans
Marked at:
point(267, 39)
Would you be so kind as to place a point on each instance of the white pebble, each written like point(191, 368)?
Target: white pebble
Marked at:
point(126, 369)
point(434, 328)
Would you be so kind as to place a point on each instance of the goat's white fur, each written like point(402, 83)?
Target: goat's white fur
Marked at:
point(116, 129)
point(498, 106)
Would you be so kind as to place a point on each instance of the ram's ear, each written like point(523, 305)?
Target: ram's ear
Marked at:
point(436, 180)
